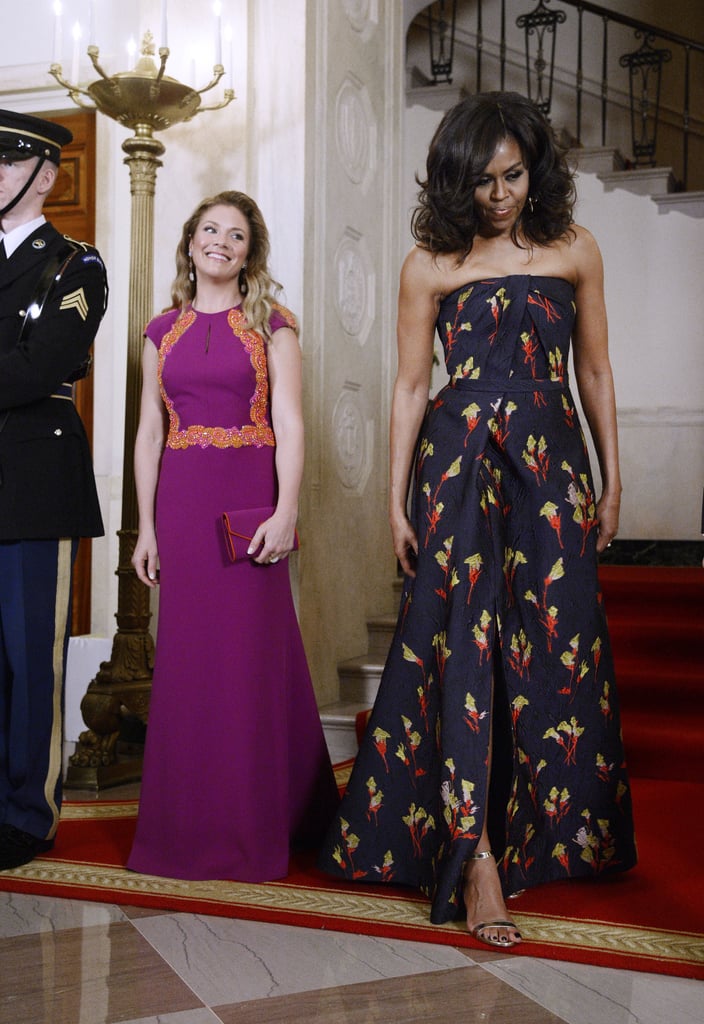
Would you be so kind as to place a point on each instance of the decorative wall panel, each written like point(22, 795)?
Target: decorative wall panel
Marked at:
point(355, 284)
point(355, 132)
point(354, 439)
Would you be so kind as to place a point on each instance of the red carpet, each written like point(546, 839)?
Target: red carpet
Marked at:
point(650, 919)
point(656, 621)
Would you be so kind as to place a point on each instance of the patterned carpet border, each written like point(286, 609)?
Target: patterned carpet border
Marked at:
point(290, 899)
point(99, 811)
point(384, 914)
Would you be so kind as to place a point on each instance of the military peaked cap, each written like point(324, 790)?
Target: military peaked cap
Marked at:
point(23, 136)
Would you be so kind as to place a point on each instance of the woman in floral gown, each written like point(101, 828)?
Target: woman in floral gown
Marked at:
point(493, 759)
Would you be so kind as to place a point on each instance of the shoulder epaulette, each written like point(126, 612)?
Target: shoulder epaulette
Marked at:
point(76, 244)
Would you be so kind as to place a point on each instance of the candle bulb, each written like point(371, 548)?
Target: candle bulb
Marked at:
point(91, 24)
point(131, 50)
point(76, 33)
point(217, 8)
point(164, 25)
point(228, 70)
point(57, 32)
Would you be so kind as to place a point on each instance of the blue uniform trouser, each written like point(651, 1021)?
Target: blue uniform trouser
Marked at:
point(35, 604)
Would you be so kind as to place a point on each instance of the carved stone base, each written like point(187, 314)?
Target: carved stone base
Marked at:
point(99, 777)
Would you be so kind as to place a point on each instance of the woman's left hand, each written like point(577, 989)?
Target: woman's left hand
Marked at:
point(607, 513)
point(274, 539)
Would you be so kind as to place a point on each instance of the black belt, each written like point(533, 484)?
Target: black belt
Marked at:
point(63, 391)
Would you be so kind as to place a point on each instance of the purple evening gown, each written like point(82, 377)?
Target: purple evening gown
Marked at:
point(236, 768)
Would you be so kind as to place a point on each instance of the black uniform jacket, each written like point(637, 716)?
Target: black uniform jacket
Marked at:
point(47, 486)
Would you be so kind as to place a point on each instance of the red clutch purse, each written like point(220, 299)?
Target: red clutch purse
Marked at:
point(239, 527)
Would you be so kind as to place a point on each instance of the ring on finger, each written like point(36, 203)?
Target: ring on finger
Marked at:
point(273, 559)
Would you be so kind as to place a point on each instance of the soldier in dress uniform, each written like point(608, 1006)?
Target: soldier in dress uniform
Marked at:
point(53, 294)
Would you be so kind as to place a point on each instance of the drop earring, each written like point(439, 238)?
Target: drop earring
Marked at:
point(531, 205)
point(191, 272)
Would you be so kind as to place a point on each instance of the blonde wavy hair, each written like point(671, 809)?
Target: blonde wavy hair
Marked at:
point(259, 290)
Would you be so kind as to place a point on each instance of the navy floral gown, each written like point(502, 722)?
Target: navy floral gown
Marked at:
point(501, 649)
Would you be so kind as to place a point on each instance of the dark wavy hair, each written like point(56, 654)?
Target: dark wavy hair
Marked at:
point(259, 289)
point(445, 219)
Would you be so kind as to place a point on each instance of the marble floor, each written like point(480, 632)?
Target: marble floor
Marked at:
point(70, 962)
point(74, 962)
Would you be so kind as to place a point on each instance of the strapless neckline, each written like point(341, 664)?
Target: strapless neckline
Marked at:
point(507, 277)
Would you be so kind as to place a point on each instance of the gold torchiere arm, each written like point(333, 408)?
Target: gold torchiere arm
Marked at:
point(145, 100)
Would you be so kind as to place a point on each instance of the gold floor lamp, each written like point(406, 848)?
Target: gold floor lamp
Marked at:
point(144, 100)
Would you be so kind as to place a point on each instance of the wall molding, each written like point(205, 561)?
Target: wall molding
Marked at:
point(660, 417)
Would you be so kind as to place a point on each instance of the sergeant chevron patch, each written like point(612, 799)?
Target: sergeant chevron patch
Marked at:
point(76, 300)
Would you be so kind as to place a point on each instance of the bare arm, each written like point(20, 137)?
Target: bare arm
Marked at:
point(417, 312)
point(149, 444)
point(595, 380)
point(276, 535)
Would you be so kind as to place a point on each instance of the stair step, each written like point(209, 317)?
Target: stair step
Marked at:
point(643, 181)
point(689, 203)
point(644, 683)
point(339, 726)
point(657, 747)
point(636, 591)
point(666, 642)
point(596, 159)
point(360, 677)
point(380, 630)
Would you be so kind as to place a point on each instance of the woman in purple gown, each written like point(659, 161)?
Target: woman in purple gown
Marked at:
point(236, 768)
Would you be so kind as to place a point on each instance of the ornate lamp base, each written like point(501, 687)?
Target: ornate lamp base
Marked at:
point(121, 688)
point(99, 777)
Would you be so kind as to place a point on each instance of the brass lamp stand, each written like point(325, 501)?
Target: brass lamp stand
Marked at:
point(145, 100)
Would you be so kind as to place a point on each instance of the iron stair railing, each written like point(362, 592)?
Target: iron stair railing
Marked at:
point(645, 65)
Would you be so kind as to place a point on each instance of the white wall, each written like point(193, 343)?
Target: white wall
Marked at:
point(654, 268)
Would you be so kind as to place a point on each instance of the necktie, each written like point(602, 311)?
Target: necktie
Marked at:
point(3, 254)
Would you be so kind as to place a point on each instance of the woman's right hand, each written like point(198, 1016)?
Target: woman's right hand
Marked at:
point(148, 449)
point(146, 559)
point(405, 543)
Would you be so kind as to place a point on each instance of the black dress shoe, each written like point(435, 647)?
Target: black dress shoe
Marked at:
point(18, 847)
